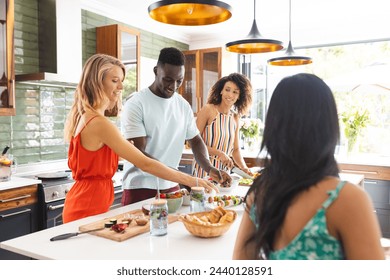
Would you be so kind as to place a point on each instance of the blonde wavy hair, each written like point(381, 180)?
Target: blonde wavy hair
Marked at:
point(89, 94)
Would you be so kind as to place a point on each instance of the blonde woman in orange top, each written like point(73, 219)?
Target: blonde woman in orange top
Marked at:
point(95, 142)
point(218, 122)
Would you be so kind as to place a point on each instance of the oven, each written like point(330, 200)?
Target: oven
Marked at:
point(52, 193)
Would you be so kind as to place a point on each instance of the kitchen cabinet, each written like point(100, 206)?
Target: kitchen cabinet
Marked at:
point(375, 172)
point(379, 191)
point(18, 215)
point(185, 164)
point(202, 70)
point(123, 43)
point(7, 68)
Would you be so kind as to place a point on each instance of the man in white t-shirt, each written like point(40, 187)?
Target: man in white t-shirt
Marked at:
point(158, 121)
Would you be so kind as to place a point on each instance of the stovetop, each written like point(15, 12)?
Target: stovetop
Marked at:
point(56, 189)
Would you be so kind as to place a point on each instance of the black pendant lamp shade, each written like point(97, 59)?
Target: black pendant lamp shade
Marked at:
point(191, 13)
point(254, 42)
point(290, 58)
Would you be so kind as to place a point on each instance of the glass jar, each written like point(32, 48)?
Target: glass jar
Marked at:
point(197, 199)
point(5, 168)
point(159, 217)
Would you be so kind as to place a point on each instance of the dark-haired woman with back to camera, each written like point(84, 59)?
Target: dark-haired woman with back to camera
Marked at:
point(298, 208)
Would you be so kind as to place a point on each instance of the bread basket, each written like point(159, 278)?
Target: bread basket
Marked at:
point(206, 231)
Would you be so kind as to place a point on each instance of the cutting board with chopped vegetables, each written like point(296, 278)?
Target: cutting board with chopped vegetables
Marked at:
point(123, 226)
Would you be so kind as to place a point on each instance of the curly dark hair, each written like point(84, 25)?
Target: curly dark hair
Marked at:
point(243, 102)
point(171, 56)
point(300, 136)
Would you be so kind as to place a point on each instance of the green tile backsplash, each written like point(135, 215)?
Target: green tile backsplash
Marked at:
point(35, 134)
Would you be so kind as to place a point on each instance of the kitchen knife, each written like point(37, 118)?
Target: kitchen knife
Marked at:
point(238, 171)
point(71, 234)
point(5, 150)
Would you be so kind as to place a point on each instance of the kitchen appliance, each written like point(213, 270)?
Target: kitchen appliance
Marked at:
point(52, 192)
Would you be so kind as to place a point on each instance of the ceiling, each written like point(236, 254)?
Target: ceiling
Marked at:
point(313, 22)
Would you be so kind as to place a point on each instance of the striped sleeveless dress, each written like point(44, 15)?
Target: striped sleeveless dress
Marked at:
point(218, 134)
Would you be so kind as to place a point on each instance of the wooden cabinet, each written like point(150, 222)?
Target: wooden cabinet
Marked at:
point(123, 43)
point(369, 171)
point(202, 70)
point(18, 215)
point(7, 68)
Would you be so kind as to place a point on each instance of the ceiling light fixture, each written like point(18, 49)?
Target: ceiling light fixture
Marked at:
point(290, 58)
point(195, 12)
point(254, 42)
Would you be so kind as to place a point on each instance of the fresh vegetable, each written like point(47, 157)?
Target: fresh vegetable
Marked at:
point(119, 227)
point(226, 200)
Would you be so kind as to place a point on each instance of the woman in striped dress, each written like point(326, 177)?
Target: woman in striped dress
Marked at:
point(218, 122)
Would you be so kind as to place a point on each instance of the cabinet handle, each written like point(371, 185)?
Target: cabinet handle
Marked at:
point(51, 207)
point(115, 206)
point(359, 171)
point(3, 216)
point(15, 198)
point(370, 182)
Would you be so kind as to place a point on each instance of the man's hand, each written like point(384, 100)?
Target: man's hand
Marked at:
point(220, 176)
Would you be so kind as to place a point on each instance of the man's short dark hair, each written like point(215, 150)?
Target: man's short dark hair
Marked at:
point(171, 56)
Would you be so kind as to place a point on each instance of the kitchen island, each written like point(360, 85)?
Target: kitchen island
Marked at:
point(177, 244)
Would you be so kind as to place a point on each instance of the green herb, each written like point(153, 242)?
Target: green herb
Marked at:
point(354, 122)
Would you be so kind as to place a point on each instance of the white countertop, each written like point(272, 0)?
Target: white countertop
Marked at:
point(177, 244)
point(17, 182)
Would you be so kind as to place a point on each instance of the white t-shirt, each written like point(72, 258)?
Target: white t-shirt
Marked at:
point(166, 123)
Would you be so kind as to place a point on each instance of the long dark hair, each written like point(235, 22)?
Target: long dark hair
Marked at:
point(244, 101)
point(300, 135)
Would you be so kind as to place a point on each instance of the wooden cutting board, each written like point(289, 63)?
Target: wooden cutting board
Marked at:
point(132, 230)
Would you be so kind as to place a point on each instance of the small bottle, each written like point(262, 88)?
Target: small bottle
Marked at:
point(159, 217)
point(197, 199)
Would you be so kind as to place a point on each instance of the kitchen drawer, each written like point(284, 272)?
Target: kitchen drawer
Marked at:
point(384, 221)
point(369, 171)
point(14, 223)
point(186, 168)
point(18, 197)
point(379, 191)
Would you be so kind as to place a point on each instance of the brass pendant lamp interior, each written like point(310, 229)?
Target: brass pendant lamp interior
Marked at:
point(290, 58)
point(254, 42)
point(191, 13)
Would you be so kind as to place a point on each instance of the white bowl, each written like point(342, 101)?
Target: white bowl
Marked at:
point(233, 185)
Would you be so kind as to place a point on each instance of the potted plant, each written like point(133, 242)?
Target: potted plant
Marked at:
point(250, 130)
point(354, 122)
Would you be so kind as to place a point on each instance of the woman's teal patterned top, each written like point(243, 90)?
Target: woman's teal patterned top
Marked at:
point(314, 241)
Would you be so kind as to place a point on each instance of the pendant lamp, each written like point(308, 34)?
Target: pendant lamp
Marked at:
point(254, 42)
point(195, 12)
point(290, 58)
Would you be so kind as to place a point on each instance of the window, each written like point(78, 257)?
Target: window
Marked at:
point(359, 76)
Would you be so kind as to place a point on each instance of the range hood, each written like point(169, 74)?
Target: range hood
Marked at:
point(60, 45)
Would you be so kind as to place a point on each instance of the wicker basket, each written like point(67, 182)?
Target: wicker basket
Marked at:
point(206, 231)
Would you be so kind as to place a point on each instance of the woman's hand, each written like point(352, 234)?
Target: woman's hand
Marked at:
point(247, 171)
point(226, 161)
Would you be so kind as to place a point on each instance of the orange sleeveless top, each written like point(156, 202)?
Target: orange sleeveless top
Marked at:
point(93, 191)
